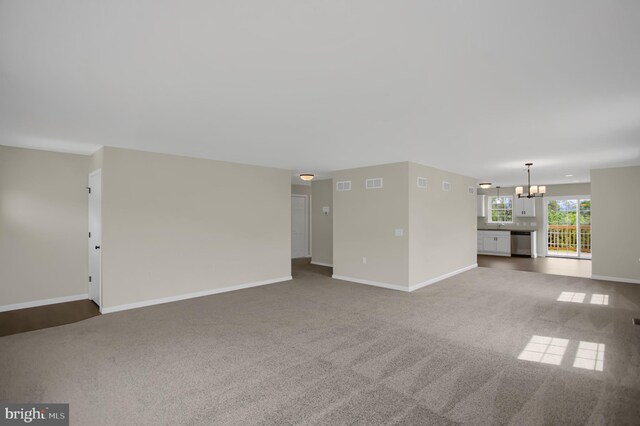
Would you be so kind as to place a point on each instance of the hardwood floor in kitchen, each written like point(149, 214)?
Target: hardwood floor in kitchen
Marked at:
point(545, 265)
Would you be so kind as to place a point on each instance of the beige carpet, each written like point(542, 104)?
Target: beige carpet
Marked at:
point(321, 351)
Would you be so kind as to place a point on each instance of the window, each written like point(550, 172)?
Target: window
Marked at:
point(501, 209)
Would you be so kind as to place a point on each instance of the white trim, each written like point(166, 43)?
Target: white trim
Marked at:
point(373, 283)
point(34, 303)
point(618, 279)
point(442, 277)
point(330, 265)
point(162, 300)
point(403, 288)
point(493, 253)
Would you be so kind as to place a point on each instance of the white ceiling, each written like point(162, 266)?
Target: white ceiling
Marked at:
point(474, 87)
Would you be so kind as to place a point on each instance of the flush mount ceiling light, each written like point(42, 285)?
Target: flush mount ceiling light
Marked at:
point(485, 185)
point(532, 191)
point(306, 176)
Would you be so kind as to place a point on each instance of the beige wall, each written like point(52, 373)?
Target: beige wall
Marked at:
point(43, 225)
point(615, 218)
point(438, 227)
point(96, 159)
point(176, 225)
point(442, 225)
point(364, 222)
point(321, 224)
point(536, 222)
point(301, 189)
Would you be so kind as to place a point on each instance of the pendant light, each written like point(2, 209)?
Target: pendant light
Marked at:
point(532, 191)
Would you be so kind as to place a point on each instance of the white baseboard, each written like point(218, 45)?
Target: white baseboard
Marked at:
point(487, 253)
point(442, 277)
point(43, 302)
point(162, 300)
point(618, 279)
point(403, 288)
point(322, 264)
point(373, 283)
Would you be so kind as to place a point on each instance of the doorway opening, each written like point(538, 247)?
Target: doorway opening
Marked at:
point(568, 227)
point(300, 246)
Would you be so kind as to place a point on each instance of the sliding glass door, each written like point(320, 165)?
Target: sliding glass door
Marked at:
point(569, 227)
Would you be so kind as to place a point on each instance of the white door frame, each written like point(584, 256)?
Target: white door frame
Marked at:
point(307, 204)
point(91, 244)
point(545, 214)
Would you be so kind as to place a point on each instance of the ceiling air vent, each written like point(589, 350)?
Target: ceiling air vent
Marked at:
point(446, 186)
point(422, 182)
point(471, 190)
point(375, 183)
point(344, 185)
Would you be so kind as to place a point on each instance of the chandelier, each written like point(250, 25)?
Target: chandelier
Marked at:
point(532, 191)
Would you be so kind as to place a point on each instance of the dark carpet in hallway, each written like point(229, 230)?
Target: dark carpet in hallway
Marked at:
point(29, 319)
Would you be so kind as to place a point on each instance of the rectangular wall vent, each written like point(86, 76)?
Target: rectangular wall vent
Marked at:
point(344, 185)
point(446, 186)
point(375, 183)
point(422, 182)
point(471, 190)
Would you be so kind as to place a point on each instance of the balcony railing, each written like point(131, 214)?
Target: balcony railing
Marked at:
point(564, 238)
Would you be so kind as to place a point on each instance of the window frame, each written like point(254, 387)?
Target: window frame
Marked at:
point(491, 209)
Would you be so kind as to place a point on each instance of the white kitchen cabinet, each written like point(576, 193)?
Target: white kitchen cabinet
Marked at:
point(481, 205)
point(504, 244)
point(497, 243)
point(489, 244)
point(524, 207)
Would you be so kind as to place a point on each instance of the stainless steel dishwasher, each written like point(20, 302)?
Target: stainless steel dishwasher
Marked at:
point(521, 243)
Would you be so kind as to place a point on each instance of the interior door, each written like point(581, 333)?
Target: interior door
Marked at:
point(299, 226)
point(95, 237)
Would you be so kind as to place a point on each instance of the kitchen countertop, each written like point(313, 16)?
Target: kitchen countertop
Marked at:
point(523, 229)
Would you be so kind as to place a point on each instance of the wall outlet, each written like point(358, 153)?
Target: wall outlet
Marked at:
point(399, 232)
point(364, 260)
point(325, 210)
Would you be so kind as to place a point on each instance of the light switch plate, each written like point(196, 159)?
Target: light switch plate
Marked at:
point(399, 232)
